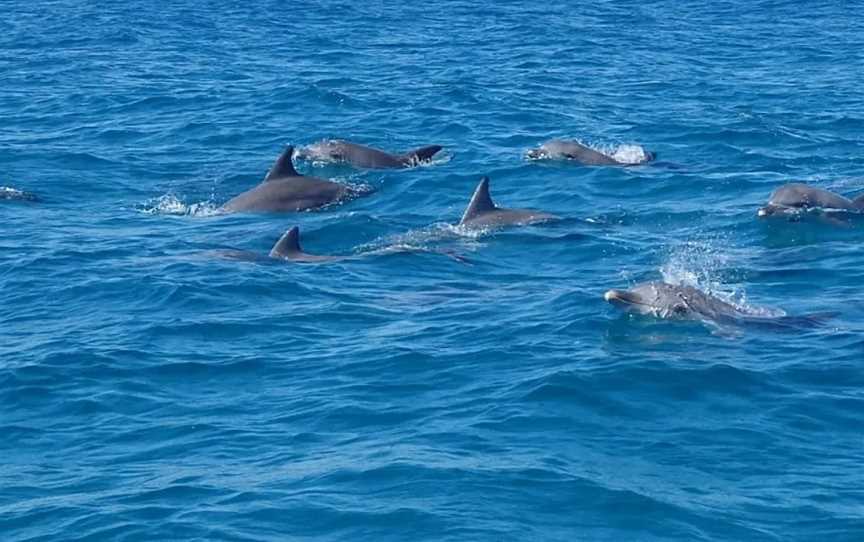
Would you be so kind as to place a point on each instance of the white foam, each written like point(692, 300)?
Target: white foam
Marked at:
point(172, 205)
point(630, 154)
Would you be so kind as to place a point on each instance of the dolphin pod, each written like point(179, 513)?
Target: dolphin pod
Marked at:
point(284, 189)
point(361, 156)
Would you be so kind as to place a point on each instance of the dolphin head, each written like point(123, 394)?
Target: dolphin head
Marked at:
point(651, 298)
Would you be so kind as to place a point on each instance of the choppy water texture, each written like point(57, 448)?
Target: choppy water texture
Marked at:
point(151, 390)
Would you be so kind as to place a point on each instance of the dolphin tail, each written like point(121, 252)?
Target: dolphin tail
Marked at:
point(422, 154)
point(287, 245)
point(283, 166)
point(481, 202)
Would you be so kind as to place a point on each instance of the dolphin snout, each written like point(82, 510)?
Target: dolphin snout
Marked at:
point(615, 296)
point(535, 154)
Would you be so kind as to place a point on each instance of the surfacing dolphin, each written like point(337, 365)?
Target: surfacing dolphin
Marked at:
point(285, 190)
point(681, 302)
point(572, 150)
point(287, 248)
point(361, 156)
point(794, 197)
point(482, 211)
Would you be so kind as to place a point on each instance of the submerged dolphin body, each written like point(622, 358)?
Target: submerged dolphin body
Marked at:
point(571, 150)
point(361, 156)
point(798, 196)
point(285, 190)
point(681, 302)
point(482, 211)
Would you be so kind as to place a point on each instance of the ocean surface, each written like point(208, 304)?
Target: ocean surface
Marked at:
point(441, 384)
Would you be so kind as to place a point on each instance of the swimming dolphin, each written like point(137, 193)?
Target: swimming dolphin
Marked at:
point(366, 157)
point(681, 302)
point(285, 190)
point(482, 211)
point(801, 196)
point(665, 300)
point(288, 248)
point(571, 150)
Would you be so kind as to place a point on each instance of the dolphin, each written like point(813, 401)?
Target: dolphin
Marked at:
point(285, 190)
point(681, 302)
point(795, 196)
point(361, 156)
point(287, 248)
point(571, 150)
point(482, 211)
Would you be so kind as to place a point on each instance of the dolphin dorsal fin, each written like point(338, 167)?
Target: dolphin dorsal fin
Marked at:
point(858, 202)
point(283, 167)
point(288, 244)
point(481, 202)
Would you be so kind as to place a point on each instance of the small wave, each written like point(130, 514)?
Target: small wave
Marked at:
point(171, 204)
point(9, 193)
point(421, 240)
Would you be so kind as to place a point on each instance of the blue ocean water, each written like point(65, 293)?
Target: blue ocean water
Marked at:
point(152, 390)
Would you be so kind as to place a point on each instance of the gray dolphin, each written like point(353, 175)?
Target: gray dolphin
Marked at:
point(681, 302)
point(361, 156)
point(288, 248)
point(285, 190)
point(792, 196)
point(482, 211)
point(571, 150)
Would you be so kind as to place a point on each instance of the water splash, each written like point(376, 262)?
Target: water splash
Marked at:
point(10, 193)
point(630, 154)
point(172, 205)
point(698, 264)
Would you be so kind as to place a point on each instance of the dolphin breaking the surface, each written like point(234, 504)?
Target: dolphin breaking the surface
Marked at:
point(361, 156)
point(482, 211)
point(793, 197)
point(286, 190)
point(682, 302)
point(572, 150)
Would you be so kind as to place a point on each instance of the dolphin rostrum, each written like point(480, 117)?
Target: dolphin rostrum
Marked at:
point(571, 150)
point(285, 190)
point(798, 196)
point(361, 156)
point(482, 211)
